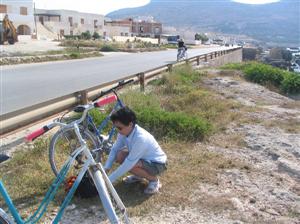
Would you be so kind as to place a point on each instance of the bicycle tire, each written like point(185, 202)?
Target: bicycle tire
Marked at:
point(64, 142)
point(4, 218)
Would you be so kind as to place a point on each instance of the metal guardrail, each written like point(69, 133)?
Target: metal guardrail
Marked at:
point(23, 117)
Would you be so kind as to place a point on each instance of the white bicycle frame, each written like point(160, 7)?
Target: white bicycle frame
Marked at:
point(97, 172)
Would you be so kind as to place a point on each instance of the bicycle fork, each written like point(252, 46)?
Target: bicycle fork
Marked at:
point(103, 194)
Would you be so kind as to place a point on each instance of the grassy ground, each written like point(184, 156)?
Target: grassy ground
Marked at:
point(53, 55)
point(28, 174)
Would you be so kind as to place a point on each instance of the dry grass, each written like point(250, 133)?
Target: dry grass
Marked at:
point(291, 125)
point(291, 105)
point(188, 166)
point(27, 177)
point(189, 163)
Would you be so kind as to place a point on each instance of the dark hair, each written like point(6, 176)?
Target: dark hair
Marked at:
point(124, 115)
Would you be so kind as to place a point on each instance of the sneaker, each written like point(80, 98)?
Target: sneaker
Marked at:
point(153, 187)
point(132, 179)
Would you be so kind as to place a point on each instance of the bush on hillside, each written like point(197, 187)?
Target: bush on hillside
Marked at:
point(173, 125)
point(291, 84)
point(108, 48)
point(264, 74)
point(287, 82)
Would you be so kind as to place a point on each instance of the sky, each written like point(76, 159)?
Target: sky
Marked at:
point(105, 6)
point(256, 1)
point(91, 6)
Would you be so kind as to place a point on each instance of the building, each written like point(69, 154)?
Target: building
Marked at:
point(133, 27)
point(21, 15)
point(67, 22)
point(117, 28)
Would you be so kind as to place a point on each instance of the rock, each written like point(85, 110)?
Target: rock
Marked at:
point(237, 204)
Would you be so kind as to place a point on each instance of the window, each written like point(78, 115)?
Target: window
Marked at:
point(141, 29)
point(157, 30)
point(71, 21)
point(82, 21)
point(23, 11)
point(3, 8)
point(95, 23)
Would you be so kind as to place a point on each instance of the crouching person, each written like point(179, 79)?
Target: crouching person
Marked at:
point(137, 151)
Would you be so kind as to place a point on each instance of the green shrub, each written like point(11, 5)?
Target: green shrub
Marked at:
point(75, 55)
point(107, 48)
point(264, 74)
point(96, 35)
point(173, 125)
point(287, 82)
point(86, 35)
point(291, 84)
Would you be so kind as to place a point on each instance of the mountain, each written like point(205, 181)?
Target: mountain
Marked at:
point(276, 22)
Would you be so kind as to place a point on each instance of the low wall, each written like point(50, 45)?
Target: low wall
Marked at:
point(232, 57)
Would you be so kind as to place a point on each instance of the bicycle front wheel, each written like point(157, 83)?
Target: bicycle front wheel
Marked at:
point(4, 218)
point(64, 142)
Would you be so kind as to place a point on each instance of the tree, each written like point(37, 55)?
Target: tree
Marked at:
point(201, 37)
point(86, 35)
point(280, 53)
point(249, 53)
point(96, 35)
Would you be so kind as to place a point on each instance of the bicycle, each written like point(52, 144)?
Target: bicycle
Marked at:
point(94, 169)
point(182, 54)
point(64, 141)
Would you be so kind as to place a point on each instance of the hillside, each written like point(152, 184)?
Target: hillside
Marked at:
point(276, 22)
point(245, 171)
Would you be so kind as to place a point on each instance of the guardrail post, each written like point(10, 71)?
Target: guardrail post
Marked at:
point(198, 60)
point(170, 67)
point(83, 97)
point(211, 56)
point(205, 58)
point(216, 54)
point(142, 81)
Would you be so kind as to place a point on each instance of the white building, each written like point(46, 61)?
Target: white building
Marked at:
point(20, 13)
point(67, 22)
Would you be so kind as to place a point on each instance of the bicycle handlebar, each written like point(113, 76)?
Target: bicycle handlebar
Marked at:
point(32, 136)
point(120, 84)
point(37, 133)
point(105, 101)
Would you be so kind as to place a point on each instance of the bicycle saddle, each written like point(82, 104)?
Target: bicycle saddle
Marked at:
point(3, 158)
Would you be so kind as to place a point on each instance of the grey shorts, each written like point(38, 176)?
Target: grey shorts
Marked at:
point(154, 168)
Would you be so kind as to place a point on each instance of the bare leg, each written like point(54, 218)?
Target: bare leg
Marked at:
point(137, 169)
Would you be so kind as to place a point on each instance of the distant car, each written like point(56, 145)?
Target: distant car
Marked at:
point(226, 45)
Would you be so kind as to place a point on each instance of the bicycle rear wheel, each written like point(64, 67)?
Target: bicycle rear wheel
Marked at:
point(4, 218)
point(64, 142)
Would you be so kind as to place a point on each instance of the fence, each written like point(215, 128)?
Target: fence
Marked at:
point(23, 117)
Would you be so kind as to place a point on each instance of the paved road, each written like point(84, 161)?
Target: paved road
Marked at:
point(26, 85)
